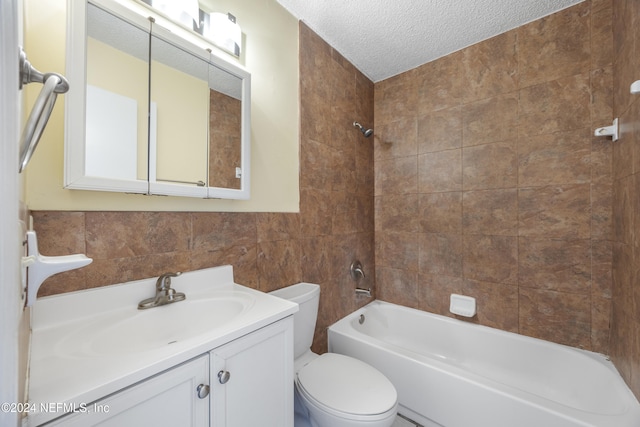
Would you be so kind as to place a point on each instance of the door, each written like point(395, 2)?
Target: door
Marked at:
point(252, 379)
point(172, 398)
point(13, 350)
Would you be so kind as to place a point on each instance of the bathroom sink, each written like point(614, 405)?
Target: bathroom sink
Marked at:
point(89, 344)
point(132, 331)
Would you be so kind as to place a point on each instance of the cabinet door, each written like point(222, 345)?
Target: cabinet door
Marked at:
point(252, 379)
point(169, 399)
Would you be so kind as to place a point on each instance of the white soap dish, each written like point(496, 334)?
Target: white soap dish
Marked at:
point(463, 305)
point(39, 267)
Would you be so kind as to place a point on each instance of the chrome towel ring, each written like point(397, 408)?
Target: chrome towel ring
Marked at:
point(53, 85)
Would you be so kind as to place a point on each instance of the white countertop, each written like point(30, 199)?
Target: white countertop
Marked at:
point(63, 373)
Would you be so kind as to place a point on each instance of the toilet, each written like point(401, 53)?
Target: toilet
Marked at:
point(333, 390)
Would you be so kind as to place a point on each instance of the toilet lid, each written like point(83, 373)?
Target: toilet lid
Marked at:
point(347, 385)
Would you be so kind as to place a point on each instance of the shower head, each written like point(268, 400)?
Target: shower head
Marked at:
point(366, 132)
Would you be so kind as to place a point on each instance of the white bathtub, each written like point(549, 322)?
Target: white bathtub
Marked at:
point(457, 374)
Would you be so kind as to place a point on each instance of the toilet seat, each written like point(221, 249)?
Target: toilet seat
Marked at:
point(346, 387)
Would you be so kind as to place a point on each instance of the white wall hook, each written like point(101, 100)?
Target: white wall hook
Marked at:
point(635, 87)
point(611, 131)
point(39, 267)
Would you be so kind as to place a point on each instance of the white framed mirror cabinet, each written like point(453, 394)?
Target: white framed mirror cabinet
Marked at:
point(150, 111)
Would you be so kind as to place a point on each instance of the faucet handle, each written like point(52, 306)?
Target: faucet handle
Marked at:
point(164, 281)
point(356, 270)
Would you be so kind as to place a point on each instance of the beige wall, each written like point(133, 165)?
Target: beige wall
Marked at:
point(270, 54)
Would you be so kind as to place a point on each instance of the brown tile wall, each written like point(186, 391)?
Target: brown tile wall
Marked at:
point(134, 245)
point(488, 181)
point(625, 328)
point(336, 180)
point(268, 250)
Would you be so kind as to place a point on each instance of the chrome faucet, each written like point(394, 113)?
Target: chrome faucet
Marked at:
point(165, 294)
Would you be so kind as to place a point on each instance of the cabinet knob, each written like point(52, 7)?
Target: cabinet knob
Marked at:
point(223, 376)
point(203, 391)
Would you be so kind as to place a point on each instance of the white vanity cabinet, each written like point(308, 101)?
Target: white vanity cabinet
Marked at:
point(168, 399)
point(144, 367)
point(252, 379)
point(246, 382)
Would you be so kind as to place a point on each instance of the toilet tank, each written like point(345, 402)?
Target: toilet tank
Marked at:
point(307, 295)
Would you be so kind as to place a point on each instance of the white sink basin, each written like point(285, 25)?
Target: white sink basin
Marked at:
point(130, 331)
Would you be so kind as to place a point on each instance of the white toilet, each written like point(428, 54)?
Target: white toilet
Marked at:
point(332, 390)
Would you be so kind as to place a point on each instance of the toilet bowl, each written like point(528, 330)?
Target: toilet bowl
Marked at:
point(342, 391)
point(333, 390)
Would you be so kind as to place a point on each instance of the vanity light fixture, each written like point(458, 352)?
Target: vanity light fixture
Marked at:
point(223, 31)
point(185, 12)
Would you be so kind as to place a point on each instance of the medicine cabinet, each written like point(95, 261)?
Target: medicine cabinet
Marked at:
point(152, 113)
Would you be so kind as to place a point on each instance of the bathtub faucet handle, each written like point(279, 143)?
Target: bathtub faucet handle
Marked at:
point(357, 273)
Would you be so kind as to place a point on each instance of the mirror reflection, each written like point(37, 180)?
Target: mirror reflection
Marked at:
point(225, 129)
point(180, 106)
point(116, 97)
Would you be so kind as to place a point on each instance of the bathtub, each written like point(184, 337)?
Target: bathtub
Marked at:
point(457, 374)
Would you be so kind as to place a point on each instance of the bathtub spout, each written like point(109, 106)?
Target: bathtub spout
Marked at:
point(362, 291)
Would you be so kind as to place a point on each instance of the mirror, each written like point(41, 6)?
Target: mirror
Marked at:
point(106, 139)
point(178, 121)
point(158, 115)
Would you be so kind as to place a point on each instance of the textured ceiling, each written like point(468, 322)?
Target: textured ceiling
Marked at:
point(383, 38)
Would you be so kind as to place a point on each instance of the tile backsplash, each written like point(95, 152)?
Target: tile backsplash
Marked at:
point(128, 246)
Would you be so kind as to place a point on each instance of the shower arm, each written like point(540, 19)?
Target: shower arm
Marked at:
point(366, 132)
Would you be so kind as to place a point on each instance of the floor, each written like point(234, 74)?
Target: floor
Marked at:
point(402, 421)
